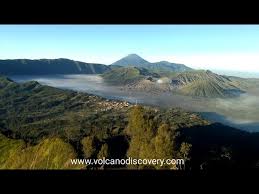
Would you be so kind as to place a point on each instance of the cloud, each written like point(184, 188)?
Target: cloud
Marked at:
point(248, 62)
point(243, 109)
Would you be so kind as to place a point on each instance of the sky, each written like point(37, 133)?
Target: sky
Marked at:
point(214, 47)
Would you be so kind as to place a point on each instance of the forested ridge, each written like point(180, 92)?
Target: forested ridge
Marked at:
point(44, 127)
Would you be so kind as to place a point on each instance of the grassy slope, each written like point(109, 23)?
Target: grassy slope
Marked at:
point(203, 88)
point(33, 111)
point(51, 153)
point(8, 148)
point(122, 75)
point(206, 84)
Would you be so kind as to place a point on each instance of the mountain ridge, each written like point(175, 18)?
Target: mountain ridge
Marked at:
point(134, 60)
point(199, 83)
point(205, 83)
point(49, 66)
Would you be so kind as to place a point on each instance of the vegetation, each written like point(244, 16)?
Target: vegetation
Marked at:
point(150, 139)
point(163, 142)
point(44, 127)
point(32, 111)
point(8, 148)
point(51, 153)
point(122, 75)
point(89, 146)
point(104, 152)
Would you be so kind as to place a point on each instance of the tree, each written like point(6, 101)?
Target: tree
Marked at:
point(164, 142)
point(148, 141)
point(71, 133)
point(184, 152)
point(136, 121)
point(141, 131)
point(135, 130)
point(104, 152)
point(89, 147)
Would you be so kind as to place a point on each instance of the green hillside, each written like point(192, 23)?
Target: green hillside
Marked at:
point(51, 153)
point(33, 111)
point(127, 75)
point(8, 148)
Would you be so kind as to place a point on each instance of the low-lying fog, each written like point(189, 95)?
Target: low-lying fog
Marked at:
point(241, 112)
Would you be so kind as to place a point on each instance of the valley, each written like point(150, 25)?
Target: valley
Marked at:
point(240, 112)
point(43, 127)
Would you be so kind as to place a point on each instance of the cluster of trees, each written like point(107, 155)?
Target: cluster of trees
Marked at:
point(151, 140)
point(49, 153)
point(146, 139)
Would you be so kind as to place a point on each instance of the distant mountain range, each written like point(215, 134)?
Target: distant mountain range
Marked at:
point(136, 73)
point(67, 66)
point(134, 60)
point(49, 66)
point(191, 83)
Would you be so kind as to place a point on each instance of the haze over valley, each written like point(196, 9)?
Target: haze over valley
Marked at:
point(229, 100)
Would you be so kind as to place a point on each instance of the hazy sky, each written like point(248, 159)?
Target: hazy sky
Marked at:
point(226, 47)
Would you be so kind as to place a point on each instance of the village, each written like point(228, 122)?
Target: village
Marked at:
point(111, 104)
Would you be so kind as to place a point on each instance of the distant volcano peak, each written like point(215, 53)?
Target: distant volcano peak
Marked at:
point(134, 60)
point(131, 59)
point(133, 55)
